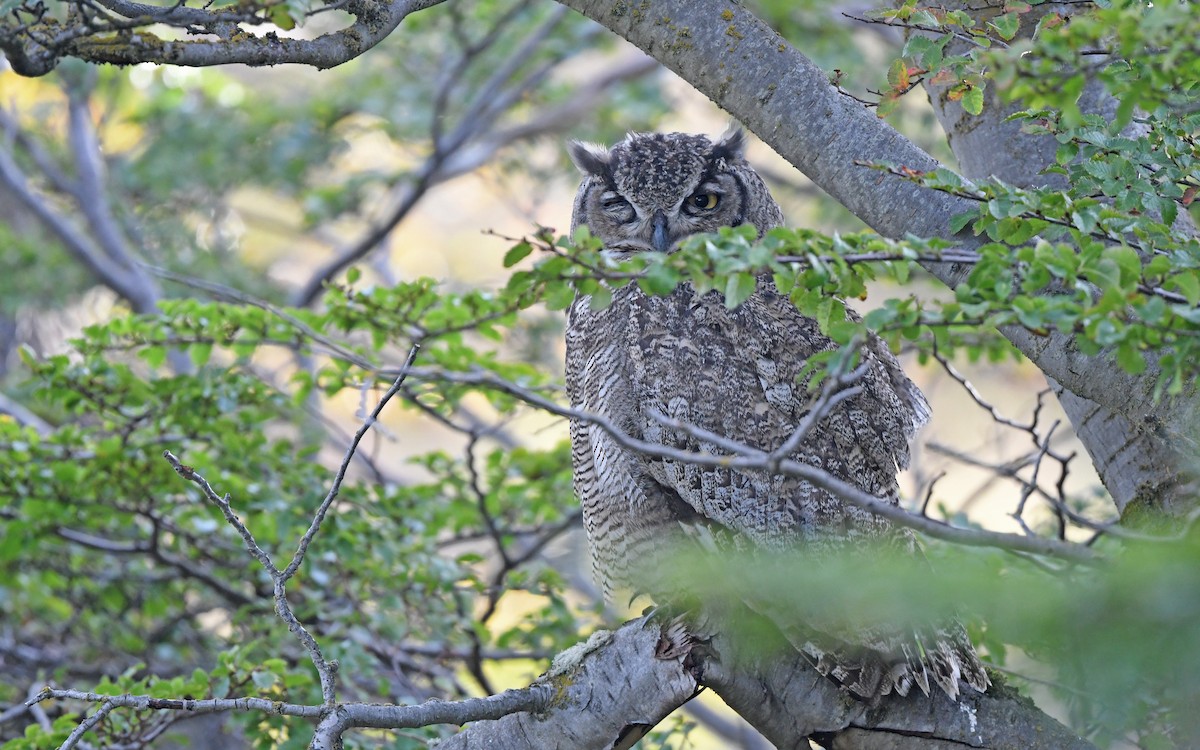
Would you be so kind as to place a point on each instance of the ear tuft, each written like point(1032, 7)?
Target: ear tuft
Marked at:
point(731, 146)
point(590, 158)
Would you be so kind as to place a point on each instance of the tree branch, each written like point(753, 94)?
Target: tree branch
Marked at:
point(609, 690)
point(35, 48)
point(746, 457)
point(785, 698)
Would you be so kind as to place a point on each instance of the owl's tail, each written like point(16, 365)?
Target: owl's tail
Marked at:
point(879, 664)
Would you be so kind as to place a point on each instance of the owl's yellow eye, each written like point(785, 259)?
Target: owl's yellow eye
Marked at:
point(704, 201)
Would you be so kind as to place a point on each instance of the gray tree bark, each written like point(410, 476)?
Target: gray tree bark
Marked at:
point(608, 693)
point(620, 688)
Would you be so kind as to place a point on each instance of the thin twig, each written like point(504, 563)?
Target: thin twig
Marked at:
point(975, 395)
point(222, 502)
point(326, 670)
point(742, 456)
point(315, 526)
point(86, 725)
point(835, 390)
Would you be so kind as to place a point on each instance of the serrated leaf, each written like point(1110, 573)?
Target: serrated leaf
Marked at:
point(1006, 25)
point(517, 253)
point(887, 104)
point(600, 299)
point(897, 74)
point(923, 18)
point(959, 221)
point(972, 100)
point(739, 288)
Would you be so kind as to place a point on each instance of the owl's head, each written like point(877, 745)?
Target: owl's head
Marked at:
point(651, 190)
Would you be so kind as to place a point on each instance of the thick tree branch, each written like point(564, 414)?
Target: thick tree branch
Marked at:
point(622, 683)
point(124, 281)
point(35, 48)
point(610, 690)
point(783, 696)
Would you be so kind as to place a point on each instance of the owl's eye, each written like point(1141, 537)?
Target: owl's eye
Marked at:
point(704, 201)
point(618, 208)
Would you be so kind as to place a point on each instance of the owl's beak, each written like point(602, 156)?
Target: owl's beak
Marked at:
point(659, 238)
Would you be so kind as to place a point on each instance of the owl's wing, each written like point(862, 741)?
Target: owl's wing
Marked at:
point(735, 373)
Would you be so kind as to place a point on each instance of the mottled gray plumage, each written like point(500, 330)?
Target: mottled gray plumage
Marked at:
point(734, 373)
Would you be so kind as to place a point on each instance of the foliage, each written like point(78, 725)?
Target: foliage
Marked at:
point(98, 485)
point(128, 581)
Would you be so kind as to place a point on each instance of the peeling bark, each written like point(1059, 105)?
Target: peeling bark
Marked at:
point(619, 687)
point(609, 692)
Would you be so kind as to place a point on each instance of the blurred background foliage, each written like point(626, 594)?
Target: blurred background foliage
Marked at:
point(292, 234)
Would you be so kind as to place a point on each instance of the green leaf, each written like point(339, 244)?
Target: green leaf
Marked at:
point(972, 100)
point(659, 279)
point(1187, 284)
point(1169, 210)
point(1129, 263)
point(1130, 359)
point(353, 274)
point(958, 222)
point(887, 104)
point(281, 17)
point(601, 298)
point(897, 74)
point(200, 353)
point(559, 295)
point(264, 680)
point(517, 253)
point(739, 288)
point(155, 356)
point(1006, 25)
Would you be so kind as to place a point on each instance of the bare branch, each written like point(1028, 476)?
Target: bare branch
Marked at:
point(23, 415)
point(746, 457)
point(190, 474)
point(326, 670)
point(476, 140)
point(76, 242)
point(90, 192)
point(86, 725)
point(298, 557)
point(187, 567)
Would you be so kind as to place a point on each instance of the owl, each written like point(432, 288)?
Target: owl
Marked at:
point(645, 360)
